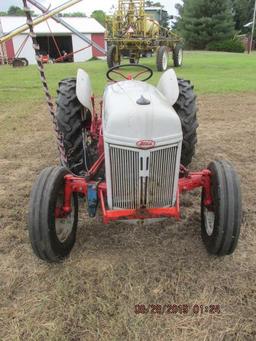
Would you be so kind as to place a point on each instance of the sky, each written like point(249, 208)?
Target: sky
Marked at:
point(86, 6)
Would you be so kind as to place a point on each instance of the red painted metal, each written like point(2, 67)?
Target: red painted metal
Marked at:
point(98, 38)
point(60, 59)
point(138, 214)
point(195, 180)
point(186, 183)
point(44, 58)
point(96, 127)
point(101, 143)
point(96, 166)
point(139, 74)
point(10, 49)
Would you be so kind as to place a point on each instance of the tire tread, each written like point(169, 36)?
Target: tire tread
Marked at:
point(186, 109)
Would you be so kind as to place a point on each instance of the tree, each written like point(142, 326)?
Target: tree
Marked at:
point(176, 26)
point(16, 11)
point(205, 21)
point(100, 16)
point(243, 12)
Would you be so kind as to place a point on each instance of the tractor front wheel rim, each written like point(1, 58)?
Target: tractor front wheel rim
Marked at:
point(165, 60)
point(209, 218)
point(64, 225)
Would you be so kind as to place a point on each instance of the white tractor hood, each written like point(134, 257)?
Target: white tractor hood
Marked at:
point(126, 122)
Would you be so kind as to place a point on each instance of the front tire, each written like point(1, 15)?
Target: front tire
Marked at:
point(186, 109)
point(18, 62)
point(51, 238)
point(177, 56)
point(162, 58)
point(134, 61)
point(113, 57)
point(25, 61)
point(220, 228)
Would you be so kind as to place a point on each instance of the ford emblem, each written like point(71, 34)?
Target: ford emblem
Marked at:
point(145, 144)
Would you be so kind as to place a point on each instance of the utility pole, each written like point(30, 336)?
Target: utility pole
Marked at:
point(253, 27)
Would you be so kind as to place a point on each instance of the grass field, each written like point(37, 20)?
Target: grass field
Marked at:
point(210, 72)
point(91, 296)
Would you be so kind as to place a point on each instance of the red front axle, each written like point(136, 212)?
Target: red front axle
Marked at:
point(187, 182)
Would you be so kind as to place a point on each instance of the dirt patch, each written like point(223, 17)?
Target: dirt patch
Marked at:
point(92, 295)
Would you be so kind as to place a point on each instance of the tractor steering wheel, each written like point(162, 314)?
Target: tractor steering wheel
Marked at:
point(129, 77)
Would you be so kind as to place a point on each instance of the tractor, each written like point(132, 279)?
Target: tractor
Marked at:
point(131, 31)
point(130, 162)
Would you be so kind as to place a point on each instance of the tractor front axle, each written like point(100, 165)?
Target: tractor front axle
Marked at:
point(187, 182)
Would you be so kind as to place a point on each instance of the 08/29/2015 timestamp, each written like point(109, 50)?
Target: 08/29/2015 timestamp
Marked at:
point(160, 309)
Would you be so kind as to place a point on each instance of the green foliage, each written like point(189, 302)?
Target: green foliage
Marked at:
point(204, 21)
point(243, 12)
point(210, 72)
point(230, 45)
point(100, 16)
point(14, 11)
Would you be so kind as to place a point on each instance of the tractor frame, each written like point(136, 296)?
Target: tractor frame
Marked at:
point(96, 191)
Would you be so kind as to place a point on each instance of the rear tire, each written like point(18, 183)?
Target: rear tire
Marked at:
point(70, 124)
point(220, 228)
point(134, 61)
point(51, 238)
point(17, 62)
point(25, 61)
point(162, 58)
point(186, 109)
point(177, 56)
point(112, 59)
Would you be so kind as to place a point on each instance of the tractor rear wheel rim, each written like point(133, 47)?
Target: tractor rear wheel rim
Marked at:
point(64, 226)
point(180, 56)
point(209, 217)
point(165, 60)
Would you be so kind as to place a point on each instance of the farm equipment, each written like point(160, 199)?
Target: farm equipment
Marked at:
point(15, 62)
point(131, 31)
point(130, 160)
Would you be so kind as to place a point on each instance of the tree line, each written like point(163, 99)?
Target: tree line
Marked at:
point(18, 12)
point(200, 22)
point(203, 22)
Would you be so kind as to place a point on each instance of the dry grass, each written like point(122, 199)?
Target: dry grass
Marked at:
point(91, 296)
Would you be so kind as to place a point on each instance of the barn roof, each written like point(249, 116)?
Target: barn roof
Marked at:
point(82, 24)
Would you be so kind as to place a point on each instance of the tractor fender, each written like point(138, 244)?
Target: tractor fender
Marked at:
point(168, 86)
point(83, 89)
